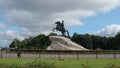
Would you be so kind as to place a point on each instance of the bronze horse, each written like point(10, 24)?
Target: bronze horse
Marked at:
point(60, 27)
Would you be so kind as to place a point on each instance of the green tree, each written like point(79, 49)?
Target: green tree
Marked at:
point(15, 44)
point(39, 42)
point(84, 40)
point(25, 42)
point(111, 43)
point(117, 41)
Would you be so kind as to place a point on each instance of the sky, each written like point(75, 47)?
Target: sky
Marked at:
point(26, 18)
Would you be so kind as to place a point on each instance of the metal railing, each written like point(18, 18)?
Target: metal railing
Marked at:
point(60, 54)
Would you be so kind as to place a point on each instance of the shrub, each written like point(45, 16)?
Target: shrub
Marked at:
point(8, 66)
point(86, 65)
point(112, 66)
point(40, 64)
point(34, 64)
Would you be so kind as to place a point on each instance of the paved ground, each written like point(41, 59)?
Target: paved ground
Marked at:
point(57, 55)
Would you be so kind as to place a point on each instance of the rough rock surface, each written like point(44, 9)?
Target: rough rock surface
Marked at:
point(62, 43)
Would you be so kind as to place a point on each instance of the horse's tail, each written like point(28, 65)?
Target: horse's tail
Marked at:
point(53, 29)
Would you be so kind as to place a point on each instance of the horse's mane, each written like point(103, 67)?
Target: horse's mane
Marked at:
point(58, 22)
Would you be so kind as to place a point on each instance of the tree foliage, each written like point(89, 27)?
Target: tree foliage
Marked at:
point(86, 40)
point(94, 42)
point(15, 44)
point(39, 42)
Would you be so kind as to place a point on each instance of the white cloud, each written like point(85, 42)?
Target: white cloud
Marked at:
point(72, 18)
point(4, 43)
point(10, 35)
point(110, 30)
point(3, 26)
point(38, 16)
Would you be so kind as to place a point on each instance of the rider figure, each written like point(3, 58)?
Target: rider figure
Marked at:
point(62, 24)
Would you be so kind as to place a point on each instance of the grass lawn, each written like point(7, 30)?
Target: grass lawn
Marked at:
point(67, 63)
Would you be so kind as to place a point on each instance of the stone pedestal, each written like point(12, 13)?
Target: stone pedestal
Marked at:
point(63, 43)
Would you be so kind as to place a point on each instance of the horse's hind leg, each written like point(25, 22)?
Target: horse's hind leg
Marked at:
point(68, 34)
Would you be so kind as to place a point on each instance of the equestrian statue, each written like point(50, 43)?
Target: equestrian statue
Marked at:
point(60, 27)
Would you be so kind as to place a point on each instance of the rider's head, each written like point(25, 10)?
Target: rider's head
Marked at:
point(62, 21)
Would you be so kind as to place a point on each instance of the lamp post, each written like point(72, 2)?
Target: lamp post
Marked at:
point(0, 50)
point(15, 40)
